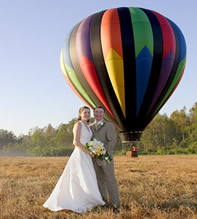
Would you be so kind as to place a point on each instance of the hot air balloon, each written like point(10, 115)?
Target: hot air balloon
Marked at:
point(128, 60)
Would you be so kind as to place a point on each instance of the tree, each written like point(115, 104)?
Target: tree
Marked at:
point(49, 133)
point(193, 121)
point(181, 121)
point(6, 138)
point(159, 133)
point(63, 137)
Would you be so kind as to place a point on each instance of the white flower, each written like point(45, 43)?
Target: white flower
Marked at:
point(104, 151)
point(101, 123)
point(97, 148)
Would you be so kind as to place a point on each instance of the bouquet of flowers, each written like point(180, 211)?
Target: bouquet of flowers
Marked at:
point(98, 149)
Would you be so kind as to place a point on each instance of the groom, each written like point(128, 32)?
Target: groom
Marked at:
point(105, 132)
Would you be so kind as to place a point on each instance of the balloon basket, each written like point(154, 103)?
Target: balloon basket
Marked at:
point(131, 154)
point(131, 151)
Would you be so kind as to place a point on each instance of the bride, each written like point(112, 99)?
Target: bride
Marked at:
point(77, 188)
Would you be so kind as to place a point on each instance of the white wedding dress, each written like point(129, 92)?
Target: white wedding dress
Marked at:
point(77, 188)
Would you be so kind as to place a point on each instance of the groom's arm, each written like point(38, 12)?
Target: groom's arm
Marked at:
point(111, 136)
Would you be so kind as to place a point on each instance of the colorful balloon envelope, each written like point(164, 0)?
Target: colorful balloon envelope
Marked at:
point(128, 60)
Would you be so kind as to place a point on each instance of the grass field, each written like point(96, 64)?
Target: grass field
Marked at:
point(149, 186)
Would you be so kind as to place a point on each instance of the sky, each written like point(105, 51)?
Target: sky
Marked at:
point(33, 91)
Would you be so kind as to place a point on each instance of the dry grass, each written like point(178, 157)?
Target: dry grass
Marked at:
point(149, 186)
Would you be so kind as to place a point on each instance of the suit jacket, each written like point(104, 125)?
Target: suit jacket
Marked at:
point(106, 133)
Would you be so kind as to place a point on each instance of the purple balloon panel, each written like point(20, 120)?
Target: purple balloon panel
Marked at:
point(166, 68)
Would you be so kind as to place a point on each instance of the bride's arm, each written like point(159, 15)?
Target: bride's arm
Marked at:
point(76, 139)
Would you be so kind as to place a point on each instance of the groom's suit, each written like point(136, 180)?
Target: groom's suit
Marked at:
point(106, 133)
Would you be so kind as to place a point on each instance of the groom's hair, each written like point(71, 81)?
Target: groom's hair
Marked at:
point(100, 107)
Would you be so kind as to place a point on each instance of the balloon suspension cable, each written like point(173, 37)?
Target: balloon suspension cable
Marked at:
point(130, 137)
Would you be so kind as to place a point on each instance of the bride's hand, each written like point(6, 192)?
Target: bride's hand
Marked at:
point(91, 155)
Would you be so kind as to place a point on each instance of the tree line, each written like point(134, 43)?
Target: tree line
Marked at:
point(176, 134)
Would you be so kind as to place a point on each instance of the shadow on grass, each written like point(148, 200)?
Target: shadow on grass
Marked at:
point(171, 204)
point(177, 203)
point(137, 171)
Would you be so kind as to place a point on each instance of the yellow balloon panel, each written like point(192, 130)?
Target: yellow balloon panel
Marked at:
point(62, 65)
point(114, 65)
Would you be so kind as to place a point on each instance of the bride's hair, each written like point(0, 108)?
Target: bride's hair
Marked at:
point(81, 109)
